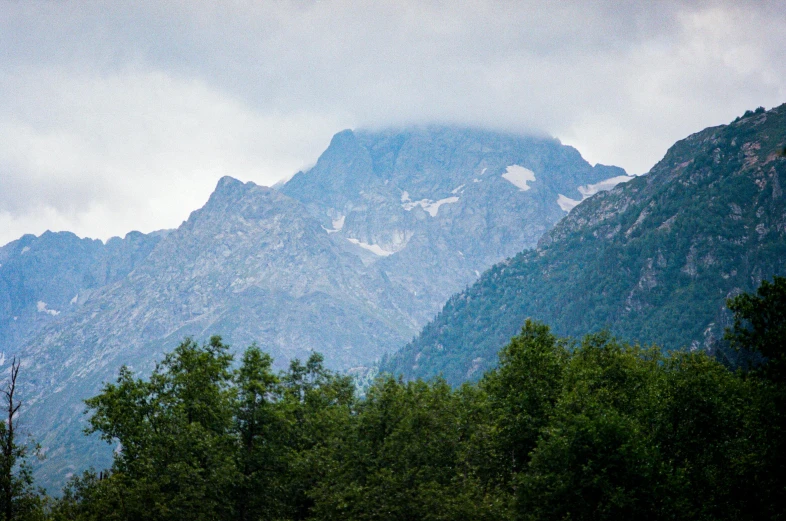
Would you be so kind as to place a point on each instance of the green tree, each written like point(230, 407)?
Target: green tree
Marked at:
point(522, 392)
point(90, 497)
point(760, 326)
point(175, 458)
point(595, 459)
point(261, 451)
point(316, 405)
point(198, 440)
point(709, 433)
point(405, 457)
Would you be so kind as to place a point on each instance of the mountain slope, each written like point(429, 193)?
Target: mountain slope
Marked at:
point(44, 279)
point(653, 260)
point(249, 266)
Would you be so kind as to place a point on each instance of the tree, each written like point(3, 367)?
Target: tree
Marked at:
point(522, 392)
point(760, 326)
point(316, 405)
point(176, 457)
point(405, 457)
point(258, 422)
point(595, 458)
point(90, 497)
point(708, 430)
point(18, 497)
point(200, 441)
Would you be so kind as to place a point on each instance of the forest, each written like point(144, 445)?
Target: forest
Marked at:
point(595, 428)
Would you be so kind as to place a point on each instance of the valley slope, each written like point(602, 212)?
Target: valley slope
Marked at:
point(652, 260)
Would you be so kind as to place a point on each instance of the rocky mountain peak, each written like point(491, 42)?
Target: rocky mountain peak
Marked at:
point(341, 172)
point(228, 189)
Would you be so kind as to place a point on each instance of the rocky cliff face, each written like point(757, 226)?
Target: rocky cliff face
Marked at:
point(652, 260)
point(349, 259)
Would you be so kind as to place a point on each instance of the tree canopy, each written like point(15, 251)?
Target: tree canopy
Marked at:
point(561, 429)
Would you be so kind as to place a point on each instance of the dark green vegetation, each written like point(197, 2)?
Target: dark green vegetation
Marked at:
point(18, 497)
point(760, 327)
point(653, 259)
point(596, 429)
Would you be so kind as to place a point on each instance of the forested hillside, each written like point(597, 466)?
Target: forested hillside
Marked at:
point(652, 260)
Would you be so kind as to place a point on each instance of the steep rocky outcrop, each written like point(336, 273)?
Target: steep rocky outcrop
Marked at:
point(432, 207)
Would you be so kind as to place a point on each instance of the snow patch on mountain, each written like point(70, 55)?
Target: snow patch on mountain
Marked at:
point(566, 203)
point(41, 307)
point(519, 176)
point(373, 248)
point(606, 184)
point(338, 224)
point(432, 207)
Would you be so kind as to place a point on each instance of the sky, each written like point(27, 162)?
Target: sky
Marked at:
point(120, 116)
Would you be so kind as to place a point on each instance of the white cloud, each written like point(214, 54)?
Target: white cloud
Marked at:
point(123, 116)
point(136, 150)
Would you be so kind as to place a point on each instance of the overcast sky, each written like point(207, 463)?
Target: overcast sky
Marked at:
point(120, 116)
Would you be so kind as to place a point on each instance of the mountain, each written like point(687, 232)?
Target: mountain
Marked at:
point(420, 201)
point(653, 260)
point(350, 258)
point(49, 276)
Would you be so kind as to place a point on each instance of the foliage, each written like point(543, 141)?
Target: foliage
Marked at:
point(408, 455)
point(597, 429)
point(760, 328)
point(198, 440)
point(760, 325)
point(174, 460)
point(522, 393)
